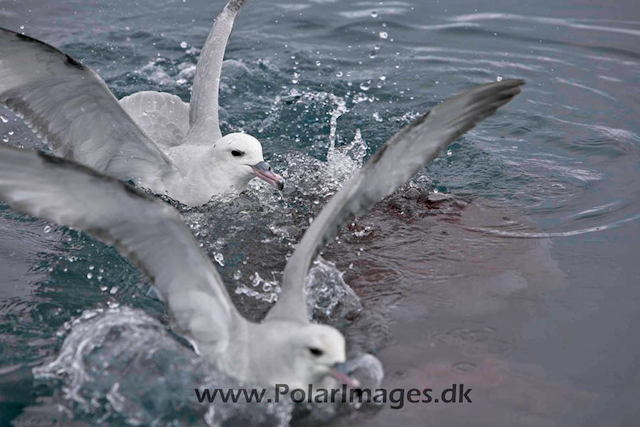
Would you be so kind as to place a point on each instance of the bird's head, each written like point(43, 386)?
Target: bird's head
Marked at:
point(315, 354)
point(240, 157)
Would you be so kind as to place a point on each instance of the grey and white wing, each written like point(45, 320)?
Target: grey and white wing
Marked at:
point(148, 232)
point(162, 116)
point(203, 112)
point(72, 110)
point(393, 165)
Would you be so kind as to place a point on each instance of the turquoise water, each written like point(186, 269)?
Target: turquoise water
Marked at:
point(522, 285)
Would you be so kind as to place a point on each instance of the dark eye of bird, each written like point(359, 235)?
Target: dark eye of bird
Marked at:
point(237, 153)
point(316, 351)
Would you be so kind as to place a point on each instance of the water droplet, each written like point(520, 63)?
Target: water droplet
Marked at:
point(47, 229)
point(5, 138)
point(449, 152)
point(318, 63)
point(383, 35)
point(184, 45)
point(91, 267)
point(113, 290)
point(383, 78)
point(22, 27)
point(499, 78)
point(219, 259)
point(237, 275)
point(4, 118)
point(365, 86)
point(377, 117)
point(374, 14)
point(339, 74)
point(89, 275)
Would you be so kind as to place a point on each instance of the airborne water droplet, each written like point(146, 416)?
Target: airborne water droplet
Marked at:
point(499, 78)
point(47, 229)
point(219, 259)
point(184, 45)
point(374, 14)
point(4, 118)
point(89, 275)
point(383, 35)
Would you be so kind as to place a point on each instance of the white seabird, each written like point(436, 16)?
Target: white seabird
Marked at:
point(151, 138)
point(285, 348)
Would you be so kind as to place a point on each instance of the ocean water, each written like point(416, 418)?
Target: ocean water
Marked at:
point(508, 265)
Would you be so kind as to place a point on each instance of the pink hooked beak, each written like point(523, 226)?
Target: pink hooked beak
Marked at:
point(264, 172)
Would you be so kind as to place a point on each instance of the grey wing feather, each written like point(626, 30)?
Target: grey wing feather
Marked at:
point(203, 110)
point(393, 165)
point(162, 116)
point(73, 111)
point(149, 233)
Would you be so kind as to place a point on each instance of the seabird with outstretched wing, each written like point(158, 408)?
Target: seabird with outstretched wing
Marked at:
point(150, 138)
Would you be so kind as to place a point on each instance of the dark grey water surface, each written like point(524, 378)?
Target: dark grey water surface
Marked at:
point(524, 285)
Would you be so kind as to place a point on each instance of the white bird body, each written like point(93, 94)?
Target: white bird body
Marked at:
point(202, 171)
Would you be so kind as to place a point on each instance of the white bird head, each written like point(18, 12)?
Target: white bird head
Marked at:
point(239, 156)
point(317, 353)
point(299, 355)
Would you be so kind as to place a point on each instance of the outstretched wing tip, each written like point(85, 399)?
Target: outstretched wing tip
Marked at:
point(235, 5)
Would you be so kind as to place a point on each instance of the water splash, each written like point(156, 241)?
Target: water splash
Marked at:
point(329, 298)
point(104, 346)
